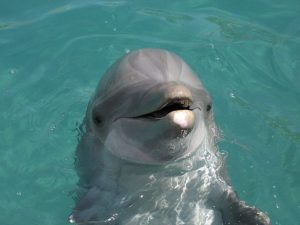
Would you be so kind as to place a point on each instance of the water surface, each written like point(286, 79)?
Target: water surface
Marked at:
point(53, 53)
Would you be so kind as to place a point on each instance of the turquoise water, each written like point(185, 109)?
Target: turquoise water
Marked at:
point(53, 53)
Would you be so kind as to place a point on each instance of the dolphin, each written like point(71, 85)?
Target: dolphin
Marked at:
point(147, 152)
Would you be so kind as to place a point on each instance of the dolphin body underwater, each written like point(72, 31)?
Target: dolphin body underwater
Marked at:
point(147, 152)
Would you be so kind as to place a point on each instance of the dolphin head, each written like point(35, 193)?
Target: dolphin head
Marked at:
point(150, 108)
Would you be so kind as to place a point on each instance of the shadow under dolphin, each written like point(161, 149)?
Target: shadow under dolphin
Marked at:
point(147, 153)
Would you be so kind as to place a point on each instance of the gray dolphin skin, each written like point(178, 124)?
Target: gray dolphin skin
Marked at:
point(147, 152)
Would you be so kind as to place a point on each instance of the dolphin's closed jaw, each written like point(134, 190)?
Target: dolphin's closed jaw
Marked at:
point(176, 98)
point(174, 124)
point(175, 114)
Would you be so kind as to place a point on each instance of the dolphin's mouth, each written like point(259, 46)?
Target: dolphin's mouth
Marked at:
point(170, 105)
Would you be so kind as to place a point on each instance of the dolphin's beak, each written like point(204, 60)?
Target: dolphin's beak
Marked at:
point(177, 111)
point(169, 106)
point(176, 107)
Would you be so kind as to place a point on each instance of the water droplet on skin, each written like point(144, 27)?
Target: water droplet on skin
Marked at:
point(184, 133)
point(151, 177)
point(71, 219)
point(112, 218)
point(123, 200)
point(163, 204)
point(188, 165)
point(171, 148)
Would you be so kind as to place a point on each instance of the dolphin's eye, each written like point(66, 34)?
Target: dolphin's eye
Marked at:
point(97, 120)
point(208, 107)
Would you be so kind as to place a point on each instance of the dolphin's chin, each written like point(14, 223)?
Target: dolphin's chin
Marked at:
point(152, 141)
